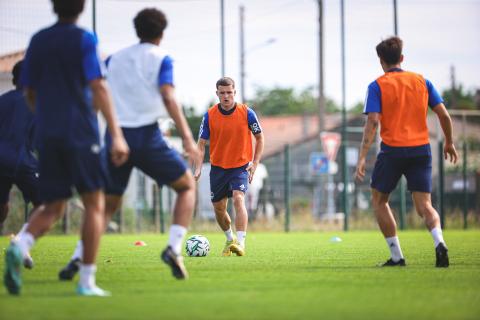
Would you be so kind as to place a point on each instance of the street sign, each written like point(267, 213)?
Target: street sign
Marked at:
point(330, 143)
point(318, 163)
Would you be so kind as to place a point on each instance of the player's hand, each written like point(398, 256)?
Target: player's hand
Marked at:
point(198, 171)
point(119, 151)
point(252, 166)
point(360, 171)
point(192, 152)
point(449, 149)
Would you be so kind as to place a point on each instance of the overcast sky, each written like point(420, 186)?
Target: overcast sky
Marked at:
point(436, 33)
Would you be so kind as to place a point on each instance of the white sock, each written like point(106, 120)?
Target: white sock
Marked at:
point(395, 250)
point(437, 236)
point(25, 242)
point(78, 253)
point(24, 228)
point(229, 234)
point(175, 240)
point(241, 235)
point(87, 275)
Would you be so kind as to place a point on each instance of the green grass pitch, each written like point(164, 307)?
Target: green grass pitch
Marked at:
point(283, 276)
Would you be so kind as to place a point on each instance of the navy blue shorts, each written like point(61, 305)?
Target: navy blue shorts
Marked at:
point(63, 167)
point(224, 181)
point(26, 179)
point(150, 153)
point(415, 163)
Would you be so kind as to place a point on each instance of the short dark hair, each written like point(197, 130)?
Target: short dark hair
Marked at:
point(68, 8)
point(150, 23)
point(225, 81)
point(16, 71)
point(390, 50)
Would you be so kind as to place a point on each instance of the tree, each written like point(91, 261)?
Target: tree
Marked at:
point(279, 100)
point(459, 98)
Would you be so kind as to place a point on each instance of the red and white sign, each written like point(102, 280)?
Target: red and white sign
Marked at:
point(330, 143)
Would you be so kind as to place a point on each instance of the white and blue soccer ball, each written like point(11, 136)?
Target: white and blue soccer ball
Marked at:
point(197, 246)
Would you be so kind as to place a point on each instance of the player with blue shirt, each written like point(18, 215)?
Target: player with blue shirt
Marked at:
point(398, 101)
point(64, 85)
point(141, 79)
point(229, 127)
point(17, 163)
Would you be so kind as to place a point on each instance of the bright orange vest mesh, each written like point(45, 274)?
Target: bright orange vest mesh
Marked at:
point(403, 118)
point(230, 137)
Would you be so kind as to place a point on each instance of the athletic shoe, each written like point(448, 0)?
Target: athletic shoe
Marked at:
point(226, 252)
point(237, 249)
point(13, 263)
point(28, 261)
point(70, 270)
point(92, 292)
point(441, 253)
point(391, 263)
point(175, 262)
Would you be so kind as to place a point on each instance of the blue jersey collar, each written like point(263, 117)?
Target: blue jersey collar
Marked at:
point(395, 70)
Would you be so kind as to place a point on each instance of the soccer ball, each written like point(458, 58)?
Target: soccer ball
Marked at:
point(197, 246)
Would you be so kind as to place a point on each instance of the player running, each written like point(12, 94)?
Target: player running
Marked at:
point(64, 84)
point(397, 101)
point(17, 163)
point(229, 127)
point(141, 78)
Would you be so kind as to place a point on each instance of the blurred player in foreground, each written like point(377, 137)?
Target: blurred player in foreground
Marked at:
point(18, 165)
point(398, 101)
point(64, 84)
point(229, 127)
point(141, 79)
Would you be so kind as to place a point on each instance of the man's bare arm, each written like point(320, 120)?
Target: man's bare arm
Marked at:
point(447, 128)
point(369, 134)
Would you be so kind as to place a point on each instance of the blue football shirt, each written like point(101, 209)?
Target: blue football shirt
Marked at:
point(60, 62)
point(16, 130)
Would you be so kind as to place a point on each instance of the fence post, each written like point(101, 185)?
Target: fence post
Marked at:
point(465, 193)
point(162, 213)
point(287, 182)
point(403, 203)
point(441, 187)
point(25, 214)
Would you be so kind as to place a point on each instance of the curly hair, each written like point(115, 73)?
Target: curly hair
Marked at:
point(150, 23)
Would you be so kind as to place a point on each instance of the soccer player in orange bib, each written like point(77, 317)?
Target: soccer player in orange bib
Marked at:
point(229, 127)
point(398, 101)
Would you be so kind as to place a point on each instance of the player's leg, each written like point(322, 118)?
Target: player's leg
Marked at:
point(166, 166)
point(116, 184)
point(39, 223)
point(419, 178)
point(225, 223)
point(423, 205)
point(385, 176)
point(182, 216)
point(27, 181)
point(388, 226)
point(241, 222)
point(92, 230)
point(5, 186)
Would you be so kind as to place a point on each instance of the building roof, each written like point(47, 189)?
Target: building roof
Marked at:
point(7, 61)
point(292, 129)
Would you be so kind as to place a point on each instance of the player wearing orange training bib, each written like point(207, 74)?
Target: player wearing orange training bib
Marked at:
point(229, 127)
point(398, 101)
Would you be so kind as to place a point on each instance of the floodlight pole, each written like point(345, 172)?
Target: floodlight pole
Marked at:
point(395, 18)
point(94, 16)
point(321, 95)
point(242, 54)
point(222, 35)
point(345, 205)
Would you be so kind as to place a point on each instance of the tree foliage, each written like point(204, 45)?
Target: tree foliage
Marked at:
point(459, 98)
point(279, 100)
